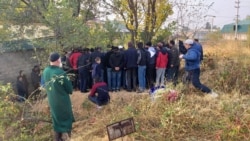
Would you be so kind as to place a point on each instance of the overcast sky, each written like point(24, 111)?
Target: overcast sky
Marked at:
point(225, 11)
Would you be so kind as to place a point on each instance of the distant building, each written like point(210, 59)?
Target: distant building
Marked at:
point(228, 30)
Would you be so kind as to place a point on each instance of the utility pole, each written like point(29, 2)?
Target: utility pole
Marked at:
point(237, 6)
point(212, 21)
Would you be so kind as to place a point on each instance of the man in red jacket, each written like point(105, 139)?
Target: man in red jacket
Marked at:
point(73, 61)
point(161, 64)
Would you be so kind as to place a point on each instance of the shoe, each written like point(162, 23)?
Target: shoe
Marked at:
point(85, 91)
point(129, 90)
point(99, 107)
point(213, 94)
point(140, 91)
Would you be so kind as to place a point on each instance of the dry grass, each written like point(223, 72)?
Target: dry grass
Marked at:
point(193, 117)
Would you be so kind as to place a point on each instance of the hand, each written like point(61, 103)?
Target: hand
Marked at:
point(117, 68)
point(181, 56)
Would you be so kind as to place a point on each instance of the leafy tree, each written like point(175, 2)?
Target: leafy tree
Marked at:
point(141, 16)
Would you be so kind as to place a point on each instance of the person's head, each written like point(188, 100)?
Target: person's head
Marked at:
point(36, 68)
point(160, 45)
point(115, 49)
point(21, 73)
point(140, 45)
point(171, 43)
point(98, 60)
point(120, 47)
point(188, 43)
point(92, 50)
point(98, 48)
point(130, 44)
point(55, 59)
point(19, 78)
point(196, 40)
point(148, 44)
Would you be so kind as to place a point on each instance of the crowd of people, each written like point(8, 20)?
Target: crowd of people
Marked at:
point(135, 69)
point(132, 69)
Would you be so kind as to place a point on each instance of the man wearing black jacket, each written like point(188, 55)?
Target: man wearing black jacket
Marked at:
point(84, 66)
point(174, 63)
point(108, 67)
point(116, 62)
point(130, 65)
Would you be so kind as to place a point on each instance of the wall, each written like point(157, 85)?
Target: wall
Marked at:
point(12, 62)
point(231, 36)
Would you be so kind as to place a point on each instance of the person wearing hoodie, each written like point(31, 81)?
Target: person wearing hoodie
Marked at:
point(73, 61)
point(199, 46)
point(161, 64)
point(116, 62)
point(130, 65)
point(151, 74)
point(142, 62)
point(192, 66)
point(174, 63)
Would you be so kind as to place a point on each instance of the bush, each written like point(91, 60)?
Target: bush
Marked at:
point(13, 124)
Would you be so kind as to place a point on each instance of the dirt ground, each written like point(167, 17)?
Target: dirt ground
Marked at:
point(86, 114)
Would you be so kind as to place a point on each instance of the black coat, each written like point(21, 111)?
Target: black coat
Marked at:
point(173, 57)
point(106, 59)
point(116, 60)
point(20, 88)
point(131, 57)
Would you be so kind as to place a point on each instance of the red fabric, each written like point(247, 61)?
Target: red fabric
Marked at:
point(73, 59)
point(162, 60)
point(95, 86)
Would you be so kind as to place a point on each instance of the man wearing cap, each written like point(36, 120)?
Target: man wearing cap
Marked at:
point(58, 88)
point(192, 66)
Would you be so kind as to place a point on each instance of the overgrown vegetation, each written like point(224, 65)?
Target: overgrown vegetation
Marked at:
point(193, 117)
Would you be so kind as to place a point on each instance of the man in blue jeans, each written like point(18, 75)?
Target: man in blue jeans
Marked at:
point(192, 66)
point(109, 69)
point(99, 93)
point(142, 61)
point(116, 62)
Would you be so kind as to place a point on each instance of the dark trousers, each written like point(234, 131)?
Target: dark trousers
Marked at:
point(83, 76)
point(131, 78)
point(76, 80)
point(90, 80)
point(96, 101)
point(194, 76)
point(151, 75)
point(123, 79)
point(109, 78)
point(172, 74)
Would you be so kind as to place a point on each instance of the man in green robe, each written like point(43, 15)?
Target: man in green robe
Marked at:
point(58, 88)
